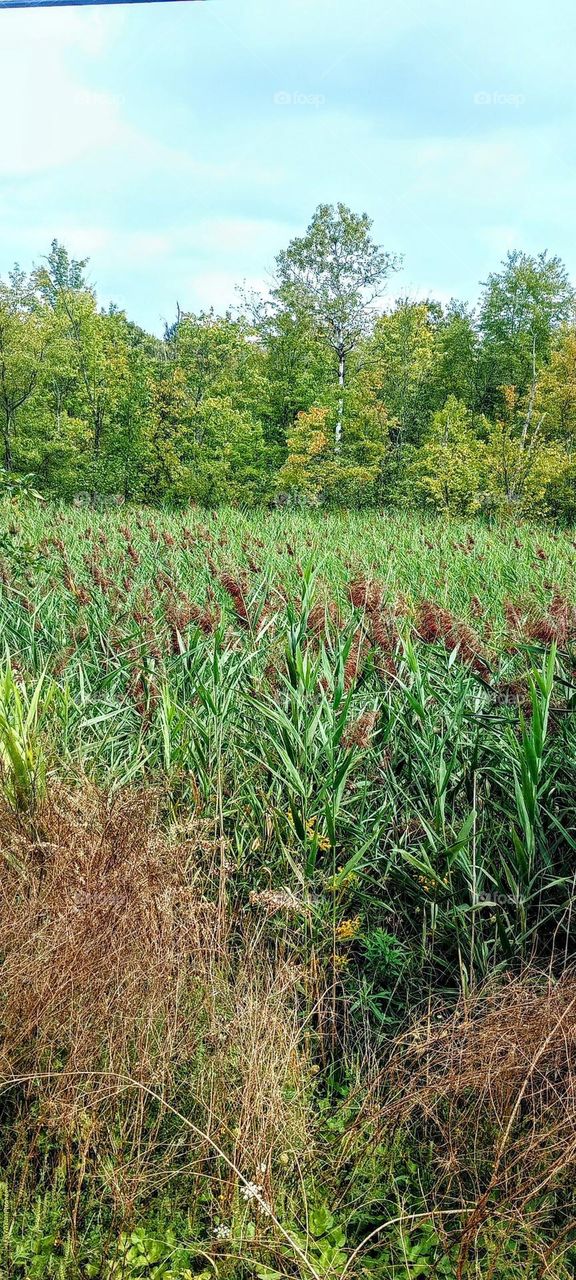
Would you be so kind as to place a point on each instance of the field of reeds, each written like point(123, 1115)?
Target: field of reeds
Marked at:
point(288, 811)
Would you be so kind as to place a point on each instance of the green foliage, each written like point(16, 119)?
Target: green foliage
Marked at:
point(126, 686)
point(401, 357)
point(359, 733)
point(450, 468)
point(521, 308)
point(148, 1254)
point(22, 762)
point(313, 397)
point(33, 1243)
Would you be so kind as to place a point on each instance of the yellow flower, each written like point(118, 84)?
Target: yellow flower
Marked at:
point(312, 833)
point(347, 929)
point(335, 882)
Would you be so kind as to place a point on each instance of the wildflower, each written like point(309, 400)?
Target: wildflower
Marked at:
point(340, 881)
point(222, 1232)
point(348, 929)
point(251, 1191)
point(322, 842)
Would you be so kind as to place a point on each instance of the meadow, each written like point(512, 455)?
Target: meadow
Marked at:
point(287, 902)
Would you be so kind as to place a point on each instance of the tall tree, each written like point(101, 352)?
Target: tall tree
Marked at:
point(98, 344)
point(331, 277)
point(556, 395)
point(521, 308)
point(24, 340)
point(456, 362)
point(218, 356)
point(448, 470)
point(401, 357)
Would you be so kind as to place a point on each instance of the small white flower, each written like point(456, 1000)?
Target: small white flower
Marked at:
point(262, 1167)
point(252, 1191)
point(222, 1232)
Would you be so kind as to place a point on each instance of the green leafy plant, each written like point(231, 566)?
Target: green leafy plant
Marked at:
point(22, 759)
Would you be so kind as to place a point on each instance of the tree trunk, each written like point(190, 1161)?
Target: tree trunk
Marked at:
point(341, 383)
point(7, 438)
point(96, 442)
point(98, 423)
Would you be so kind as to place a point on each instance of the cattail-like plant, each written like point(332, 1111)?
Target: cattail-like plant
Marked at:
point(437, 625)
point(361, 731)
point(356, 658)
point(235, 587)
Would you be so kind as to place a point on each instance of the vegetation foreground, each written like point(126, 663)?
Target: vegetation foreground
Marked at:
point(287, 900)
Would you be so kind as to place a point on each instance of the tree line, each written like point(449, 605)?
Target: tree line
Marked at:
point(319, 393)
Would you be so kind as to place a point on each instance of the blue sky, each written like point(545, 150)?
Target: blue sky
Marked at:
point(180, 146)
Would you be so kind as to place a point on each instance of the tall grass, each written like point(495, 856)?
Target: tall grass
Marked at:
point(275, 789)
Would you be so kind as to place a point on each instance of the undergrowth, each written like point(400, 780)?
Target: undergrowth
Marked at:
point(286, 897)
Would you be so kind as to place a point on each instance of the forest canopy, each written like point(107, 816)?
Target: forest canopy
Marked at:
point(325, 392)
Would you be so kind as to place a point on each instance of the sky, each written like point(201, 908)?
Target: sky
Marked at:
point(180, 146)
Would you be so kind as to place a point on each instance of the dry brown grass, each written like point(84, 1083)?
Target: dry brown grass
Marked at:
point(98, 925)
point(124, 967)
point(490, 1089)
point(155, 1035)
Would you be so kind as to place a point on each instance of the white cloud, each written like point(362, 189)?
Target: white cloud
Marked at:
point(50, 117)
point(236, 239)
point(261, 236)
point(218, 289)
point(88, 31)
point(54, 118)
point(478, 162)
point(500, 238)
